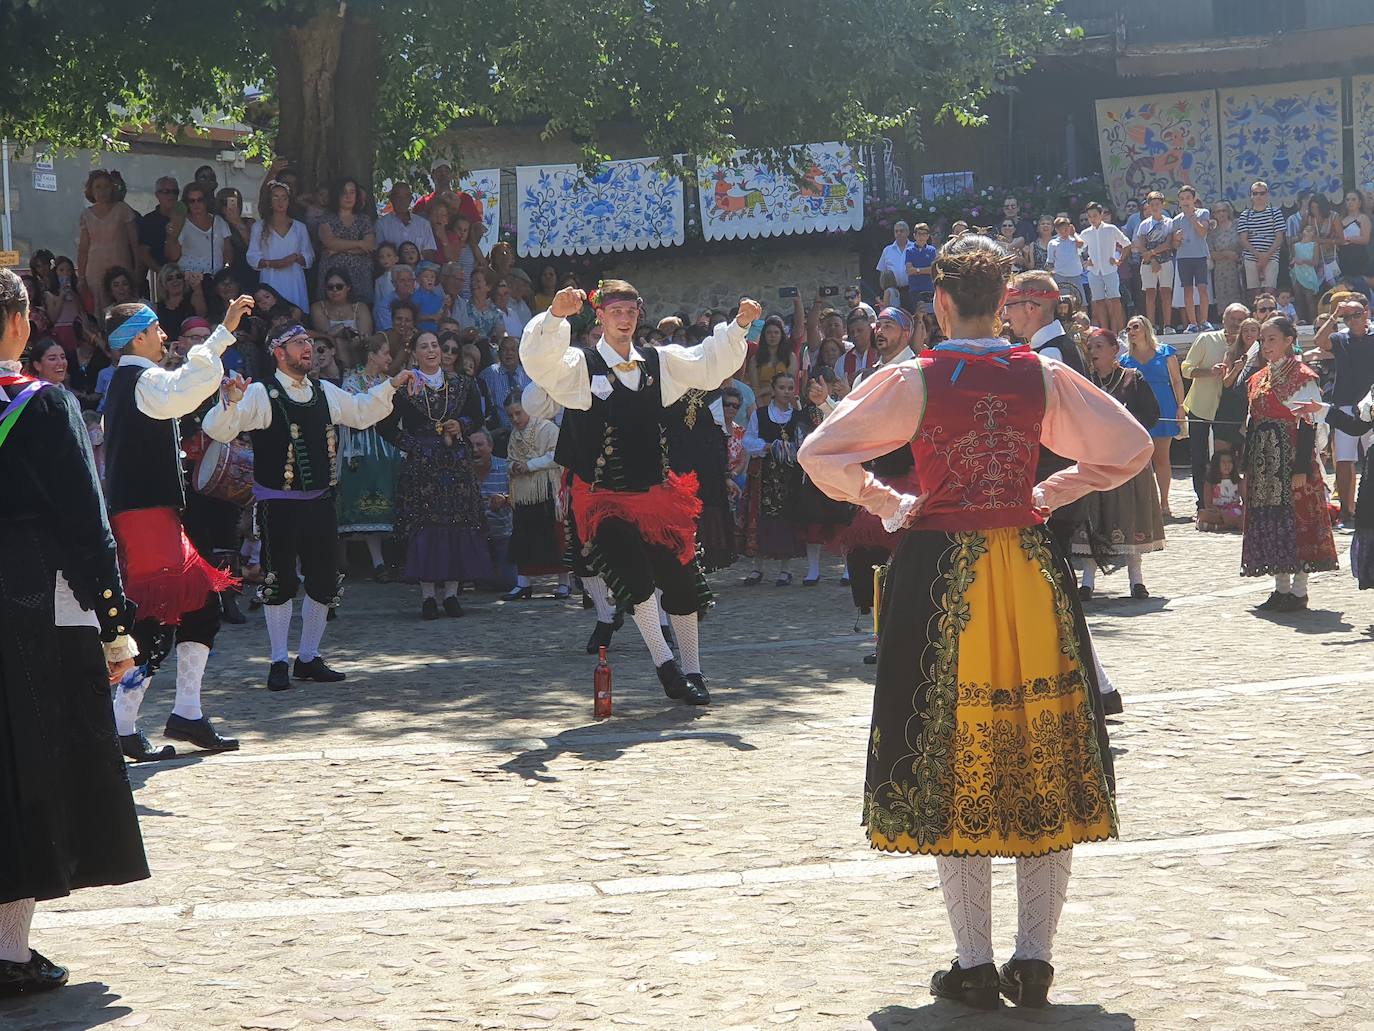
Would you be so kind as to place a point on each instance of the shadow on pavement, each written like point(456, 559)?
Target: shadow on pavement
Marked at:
point(604, 742)
point(73, 1008)
point(940, 1015)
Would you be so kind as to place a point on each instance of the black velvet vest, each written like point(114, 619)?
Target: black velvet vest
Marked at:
point(296, 451)
point(620, 443)
point(142, 454)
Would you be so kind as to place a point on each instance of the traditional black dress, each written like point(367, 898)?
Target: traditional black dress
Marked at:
point(780, 477)
point(438, 497)
point(696, 444)
point(67, 816)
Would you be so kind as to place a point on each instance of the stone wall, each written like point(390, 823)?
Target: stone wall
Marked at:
point(672, 283)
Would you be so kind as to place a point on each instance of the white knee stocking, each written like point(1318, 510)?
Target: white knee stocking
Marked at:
point(813, 561)
point(374, 549)
point(313, 615)
point(966, 883)
point(646, 618)
point(1300, 585)
point(1042, 885)
point(1134, 570)
point(15, 920)
point(601, 598)
point(662, 615)
point(128, 698)
point(1088, 576)
point(685, 630)
point(278, 628)
point(191, 660)
point(1283, 583)
point(451, 588)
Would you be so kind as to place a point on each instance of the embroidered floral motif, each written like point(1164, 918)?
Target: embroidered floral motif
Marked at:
point(990, 465)
point(1017, 783)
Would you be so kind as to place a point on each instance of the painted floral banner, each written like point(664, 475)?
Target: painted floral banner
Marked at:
point(627, 205)
point(1159, 142)
point(484, 186)
point(747, 199)
point(1362, 114)
point(1289, 135)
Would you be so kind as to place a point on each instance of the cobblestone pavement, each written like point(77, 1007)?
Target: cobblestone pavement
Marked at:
point(448, 840)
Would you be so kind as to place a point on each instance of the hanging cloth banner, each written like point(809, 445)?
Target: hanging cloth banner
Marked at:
point(1159, 142)
point(484, 187)
point(743, 199)
point(1288, 135)
point(1362, 114)
point(627, 205)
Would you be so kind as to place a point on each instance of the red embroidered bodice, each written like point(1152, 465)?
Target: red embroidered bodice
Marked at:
point(979, 439)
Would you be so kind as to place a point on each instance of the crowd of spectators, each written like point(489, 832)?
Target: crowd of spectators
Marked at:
point(369, 286)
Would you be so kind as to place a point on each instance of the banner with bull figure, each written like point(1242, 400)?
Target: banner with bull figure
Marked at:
point(822, 192)
point(1159, 142)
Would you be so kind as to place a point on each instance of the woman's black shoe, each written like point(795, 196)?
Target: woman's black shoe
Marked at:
point(1026, 982)
point(451, 607)
point(429, 609)
point(1271, 604)
point(977, 987)
point(37, 975)
point(1139, 591)
point(1085, 594)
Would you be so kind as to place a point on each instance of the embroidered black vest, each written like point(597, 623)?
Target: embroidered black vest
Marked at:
point(621, 441)
point(142, 454)
point(296, 451)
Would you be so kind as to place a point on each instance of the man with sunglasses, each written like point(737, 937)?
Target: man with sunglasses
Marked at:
point(635, 520)
point(1261, 227)
point(152, 227)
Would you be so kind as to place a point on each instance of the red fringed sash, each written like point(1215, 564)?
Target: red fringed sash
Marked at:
point(163, 574)
point(665, 515)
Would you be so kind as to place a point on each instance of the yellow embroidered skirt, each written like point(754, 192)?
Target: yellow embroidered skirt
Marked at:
point(988, 736)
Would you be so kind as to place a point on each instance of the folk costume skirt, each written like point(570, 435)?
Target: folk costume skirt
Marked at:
point(988, 736)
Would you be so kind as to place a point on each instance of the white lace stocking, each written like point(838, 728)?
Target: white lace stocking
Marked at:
point(1042, 885)
point(15, 918)
point(966, 883)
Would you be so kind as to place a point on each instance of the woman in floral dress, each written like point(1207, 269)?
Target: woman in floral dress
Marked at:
point(438, 498)
point(1287, 522)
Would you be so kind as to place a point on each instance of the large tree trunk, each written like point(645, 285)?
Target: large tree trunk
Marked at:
point(327, 98)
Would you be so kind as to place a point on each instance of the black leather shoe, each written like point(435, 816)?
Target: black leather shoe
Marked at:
point(451, 607)
point(601, 637)
point(1111, 703)
point(696, 690)
point(871, 659)
point(315, 669)
point(674, 683)
point(229, 607)
point(976, 987)
point(1295, 603)
point(429, 609)
point(200, 733)
point(1085, 594)
point(1273, 603)
point(1026, 982)
point(278, 679)
point(37, 975)
point(1139, 591)
point(136, 747)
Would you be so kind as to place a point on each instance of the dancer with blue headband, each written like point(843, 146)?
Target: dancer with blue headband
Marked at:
point(175, 589)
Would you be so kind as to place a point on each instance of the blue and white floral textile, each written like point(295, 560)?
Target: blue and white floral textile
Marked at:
point(626, 205)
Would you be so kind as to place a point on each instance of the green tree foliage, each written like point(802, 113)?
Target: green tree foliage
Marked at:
point(361, 86)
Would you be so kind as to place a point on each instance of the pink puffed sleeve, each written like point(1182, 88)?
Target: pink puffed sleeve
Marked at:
point(880, 415)
point(1091, 427)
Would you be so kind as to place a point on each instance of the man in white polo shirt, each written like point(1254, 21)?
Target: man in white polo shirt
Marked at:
point(1106, 246)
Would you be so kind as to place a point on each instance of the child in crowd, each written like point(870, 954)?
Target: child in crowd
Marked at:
point(387, 259)
point(1223, 506)
point(1308, 271)
point(1286, 303)
point(892, 297)
point(428, 297)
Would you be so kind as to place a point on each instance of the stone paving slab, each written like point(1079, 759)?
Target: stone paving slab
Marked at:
point(448, 840)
